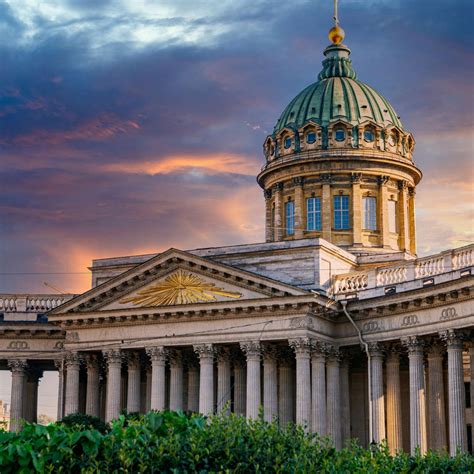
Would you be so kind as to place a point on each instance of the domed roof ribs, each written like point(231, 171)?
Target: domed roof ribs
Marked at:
point(309, 103)
point(326, 105)
point(352, 112)
point(349, 85)
point(395, 120)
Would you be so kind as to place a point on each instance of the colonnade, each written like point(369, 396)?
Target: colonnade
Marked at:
point(304, 380)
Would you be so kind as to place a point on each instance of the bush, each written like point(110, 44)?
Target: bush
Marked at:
point(177, 443)
point(79, 421)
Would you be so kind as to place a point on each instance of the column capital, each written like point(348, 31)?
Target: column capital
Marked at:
point(326, 178)
point(383, 180)
point(277, 187)
point(17, 366)
point(267, 193)
point(413, 344)
point(92, 361)
point(270, 352)
point(251, 349)
point(402, 184)
point(301, 345)
point(223, 354)
point(205, 351)
point(452, 338)
point(393, 354)
point(412, 192)
point(319, 348)
point(334, 354)
point(356, 178)
point(59, 363)
point(298, 181)
point(175, 358)
point(157, 354)
point(435, 350)
point(376, 349)
point(73, 361)
point(113, 357)
point(133, 360)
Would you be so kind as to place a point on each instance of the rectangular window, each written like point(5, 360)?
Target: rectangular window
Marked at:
point(370, 213)
point(392, 216)
point(290, 217)
point(313, 213)
point(341, 212)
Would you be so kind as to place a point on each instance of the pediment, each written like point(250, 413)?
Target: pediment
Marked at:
point(177, 278)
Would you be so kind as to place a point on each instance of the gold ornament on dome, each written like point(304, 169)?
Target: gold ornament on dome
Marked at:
point(179, 288)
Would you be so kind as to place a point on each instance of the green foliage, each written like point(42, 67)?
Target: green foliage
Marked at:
point(80, 421)
point(176, 442)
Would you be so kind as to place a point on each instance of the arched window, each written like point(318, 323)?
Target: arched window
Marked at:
point(369, 135)
point(340, 134)
point(287, 143)
point(370, 212)
point(341, 212)
point(290, 217)
point(311, 137)
point(313, 213)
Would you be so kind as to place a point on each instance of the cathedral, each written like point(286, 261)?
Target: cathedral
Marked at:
point(332, 323)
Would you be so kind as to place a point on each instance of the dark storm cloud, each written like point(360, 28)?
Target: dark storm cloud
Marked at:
point(115, 146)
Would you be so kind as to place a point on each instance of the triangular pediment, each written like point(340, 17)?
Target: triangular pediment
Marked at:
point(177, 278)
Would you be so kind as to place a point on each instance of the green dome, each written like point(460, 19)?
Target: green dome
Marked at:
point(337, 95)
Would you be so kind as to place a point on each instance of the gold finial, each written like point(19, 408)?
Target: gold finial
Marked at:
point(336, 33)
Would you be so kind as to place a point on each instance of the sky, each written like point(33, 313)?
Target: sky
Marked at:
point(132, 126)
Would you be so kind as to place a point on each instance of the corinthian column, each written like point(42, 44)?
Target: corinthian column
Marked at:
point(240, 385)
point(158, 356)
point(456, 400)
point(18, 369)
point(394, 405)
point(417, 394)
point(286, 398)
point(193, 386)
point(72, 383)
point(270, 383)
point(345, 400)
point(223, 380)
point(60, 365)
point(133, 387)
point(377, 395)
point(437, 421)
point(176, 380)
point(471, 356)
point(253, 352)
point(278, 224)
point(206, 380)
point(319, 409)
point(302, 348)
point(92, 394)
point(113, 358)
point(334, 398)
point(299, 207)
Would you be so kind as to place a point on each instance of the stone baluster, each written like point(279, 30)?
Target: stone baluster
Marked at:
point(319, 409)
point(286, 397)
point(436, 403)
point(377, 395)
point(134, 384)
point(158, 356)
point(456, 398)
point(92, 394)
point(270, 383)
point(73, 365)
point(394, 405)
point(113, 357)
point(176, 380)
point(18, 370)
point(253, 352)
point(333, 398)
point(223, 380)
point(302, 348)
point(206, 378)
point(240, 384)
point(61, 366)
point(417, 394)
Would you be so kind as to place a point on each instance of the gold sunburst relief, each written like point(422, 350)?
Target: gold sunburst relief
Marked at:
point(179, 288)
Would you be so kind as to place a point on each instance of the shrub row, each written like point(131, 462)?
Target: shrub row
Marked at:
point(176, 443)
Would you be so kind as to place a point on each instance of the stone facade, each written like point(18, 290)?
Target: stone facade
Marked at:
point(346, 333)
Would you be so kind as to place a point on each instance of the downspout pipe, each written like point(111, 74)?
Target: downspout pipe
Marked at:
point(369, 367)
